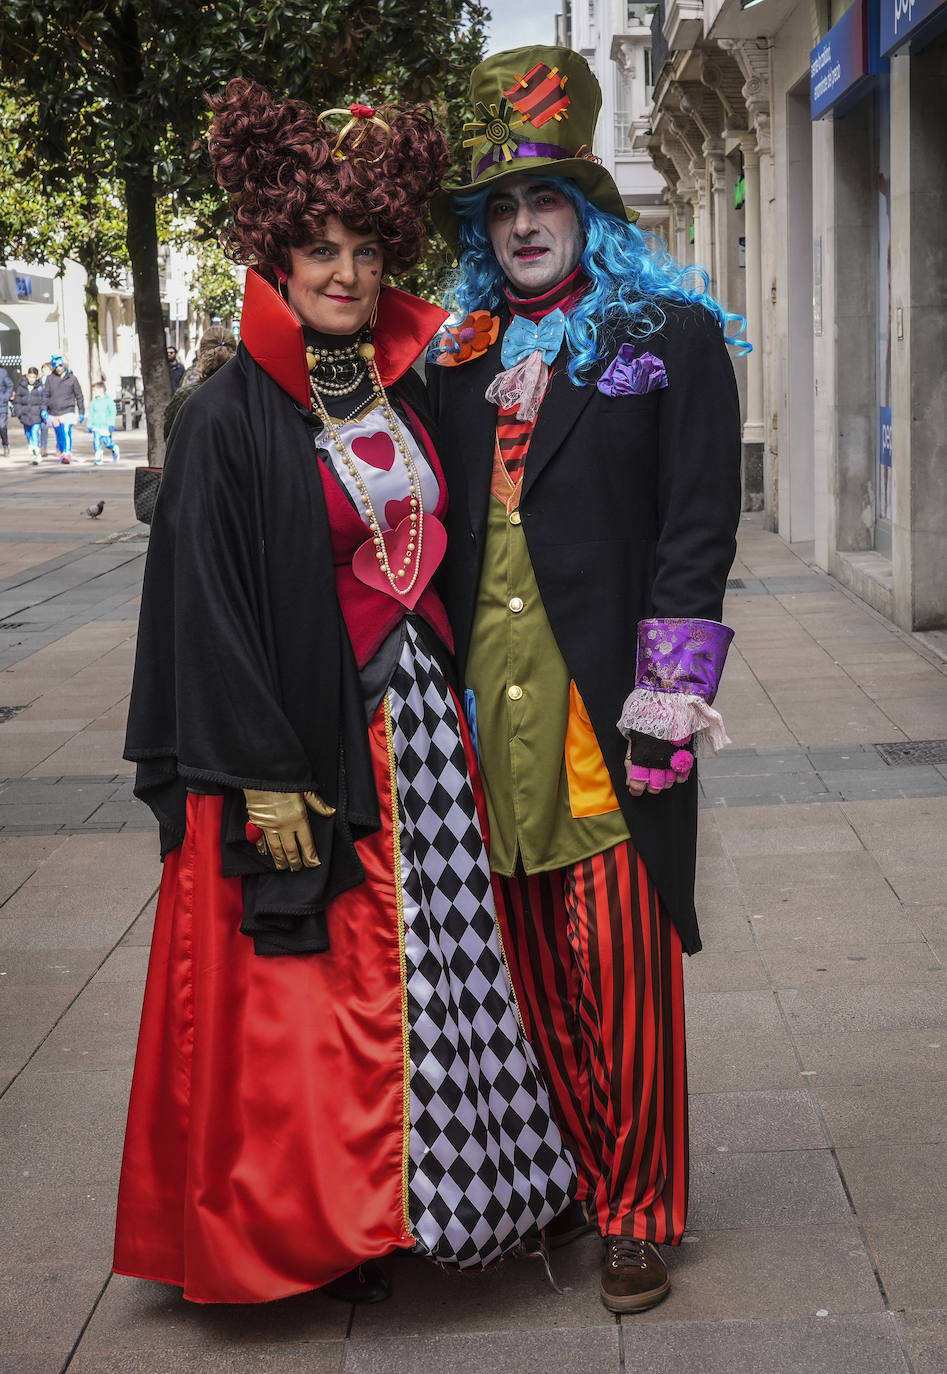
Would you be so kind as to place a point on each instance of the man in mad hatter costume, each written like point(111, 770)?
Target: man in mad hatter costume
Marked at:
point(590, 430)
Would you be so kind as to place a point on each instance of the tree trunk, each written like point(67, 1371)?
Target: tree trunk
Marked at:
point(142, 240)
point(92, 324)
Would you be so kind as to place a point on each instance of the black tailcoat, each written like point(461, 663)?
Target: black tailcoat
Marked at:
point(630, 506)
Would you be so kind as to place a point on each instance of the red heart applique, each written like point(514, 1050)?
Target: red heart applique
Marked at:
point(367, 569)
point(377, 450)
point(396, 511)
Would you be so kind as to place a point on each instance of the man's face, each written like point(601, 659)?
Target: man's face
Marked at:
point(535, 233)
point(172, 354)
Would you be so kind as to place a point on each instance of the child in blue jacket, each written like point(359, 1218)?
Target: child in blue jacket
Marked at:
point(102, 423)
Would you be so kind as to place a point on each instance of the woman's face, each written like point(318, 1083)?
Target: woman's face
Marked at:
point(333, 281)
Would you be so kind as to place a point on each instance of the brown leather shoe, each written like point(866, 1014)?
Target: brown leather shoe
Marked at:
point(569, 1225)
point(634, 1276)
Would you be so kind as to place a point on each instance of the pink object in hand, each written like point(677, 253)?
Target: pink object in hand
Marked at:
point(681, 763)
point(659, 778)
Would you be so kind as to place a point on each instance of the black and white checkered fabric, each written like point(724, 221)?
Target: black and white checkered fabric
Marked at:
point(485, 1161)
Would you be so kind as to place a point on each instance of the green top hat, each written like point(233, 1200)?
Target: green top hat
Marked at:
point(533, 110)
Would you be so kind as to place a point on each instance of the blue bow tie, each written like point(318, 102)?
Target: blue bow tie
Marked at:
point(524, 337)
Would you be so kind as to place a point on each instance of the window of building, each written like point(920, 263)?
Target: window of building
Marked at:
point(624, 113)
point(638, 15)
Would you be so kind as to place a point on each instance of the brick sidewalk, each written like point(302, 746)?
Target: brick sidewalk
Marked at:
point(817, 1014)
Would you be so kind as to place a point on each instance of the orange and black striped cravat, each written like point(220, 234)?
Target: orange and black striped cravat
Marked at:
point(513, 435)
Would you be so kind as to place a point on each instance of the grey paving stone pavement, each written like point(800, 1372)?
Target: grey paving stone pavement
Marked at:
point(817, 1014)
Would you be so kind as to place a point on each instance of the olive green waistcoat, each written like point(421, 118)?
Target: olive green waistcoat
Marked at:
point(521, 691)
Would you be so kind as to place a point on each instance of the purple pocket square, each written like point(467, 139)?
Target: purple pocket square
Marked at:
point(629, 376)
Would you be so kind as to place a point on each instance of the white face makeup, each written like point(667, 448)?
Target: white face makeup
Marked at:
point(535, 233)
point(333, 281)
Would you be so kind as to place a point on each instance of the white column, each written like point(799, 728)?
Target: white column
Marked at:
point(753, 432)
point(718, 197)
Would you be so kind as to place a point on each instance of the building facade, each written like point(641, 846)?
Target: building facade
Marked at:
point(803, 146)
point(42, 313)
point(614, 36)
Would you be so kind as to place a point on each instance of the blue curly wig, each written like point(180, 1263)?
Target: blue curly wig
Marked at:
point(631, 274)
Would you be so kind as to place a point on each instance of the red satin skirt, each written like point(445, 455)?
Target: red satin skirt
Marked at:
point(265, 1149)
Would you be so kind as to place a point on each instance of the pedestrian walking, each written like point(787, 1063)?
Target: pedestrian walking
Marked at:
point(101, 419)
point(45, 371)
point(28, 409)
point(330, 1065)
point(175, 367)
point(217, 346)
point(64, 404)
point(590, 432)
point(6, 394)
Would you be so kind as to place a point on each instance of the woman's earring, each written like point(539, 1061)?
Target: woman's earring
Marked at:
point(366, 347)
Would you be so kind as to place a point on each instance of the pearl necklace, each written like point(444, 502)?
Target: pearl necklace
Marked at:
point(336, 371)
point(416, 528)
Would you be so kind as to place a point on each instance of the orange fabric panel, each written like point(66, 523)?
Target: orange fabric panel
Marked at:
point(590, 787)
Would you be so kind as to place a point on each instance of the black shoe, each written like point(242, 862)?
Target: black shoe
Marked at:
point(366, 1283)
point(569, 1225)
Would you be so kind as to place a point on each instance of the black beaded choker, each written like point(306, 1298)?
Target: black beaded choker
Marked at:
point(338, 364)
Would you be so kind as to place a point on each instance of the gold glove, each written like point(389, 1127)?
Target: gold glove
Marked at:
point(283, 818)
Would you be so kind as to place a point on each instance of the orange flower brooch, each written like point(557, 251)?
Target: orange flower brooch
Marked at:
point(469, 339)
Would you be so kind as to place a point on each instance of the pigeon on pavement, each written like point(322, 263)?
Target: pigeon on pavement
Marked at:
point(96, 510)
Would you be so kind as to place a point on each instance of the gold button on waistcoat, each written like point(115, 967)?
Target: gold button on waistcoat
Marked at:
point(514, 692)
point(516, 604)
point(515, 517)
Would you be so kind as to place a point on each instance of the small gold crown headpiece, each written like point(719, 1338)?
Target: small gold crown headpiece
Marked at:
point(360, 118)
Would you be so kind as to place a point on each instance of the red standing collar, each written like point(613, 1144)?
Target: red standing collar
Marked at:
point(274, 337)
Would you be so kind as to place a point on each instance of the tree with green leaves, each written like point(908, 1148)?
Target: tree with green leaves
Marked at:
point(84, 221)
point(121, 82)
point(213, 286)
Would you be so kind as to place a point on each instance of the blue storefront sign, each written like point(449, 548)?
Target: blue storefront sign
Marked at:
point(840, 61)
point(884, 436)
point(902, 19)
point(22, 287)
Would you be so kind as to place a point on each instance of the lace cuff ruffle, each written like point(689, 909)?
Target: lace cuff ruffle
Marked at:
point(674, 716)
point(680, 662)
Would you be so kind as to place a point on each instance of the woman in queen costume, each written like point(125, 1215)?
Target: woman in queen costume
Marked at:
point(331, 1065)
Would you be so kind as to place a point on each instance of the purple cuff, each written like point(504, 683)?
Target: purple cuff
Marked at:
point(630, 376)
point(682, 655)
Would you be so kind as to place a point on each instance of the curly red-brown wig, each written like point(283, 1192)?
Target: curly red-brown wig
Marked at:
point(274, 158)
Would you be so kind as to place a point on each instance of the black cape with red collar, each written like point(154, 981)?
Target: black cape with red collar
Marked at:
point(244, 675)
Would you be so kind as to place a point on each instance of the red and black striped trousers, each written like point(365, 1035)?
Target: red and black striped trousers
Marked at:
point(597, 968)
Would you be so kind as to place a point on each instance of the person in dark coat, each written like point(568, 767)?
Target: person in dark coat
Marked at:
point(64, 404)
point(590, 429)
point(6, 393)
point(217, 346)
point(330, 1065)
point(175, 367)
point(28, 409)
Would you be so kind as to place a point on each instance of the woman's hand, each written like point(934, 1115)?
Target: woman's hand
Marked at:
point(654, 765)
point(279, 822)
